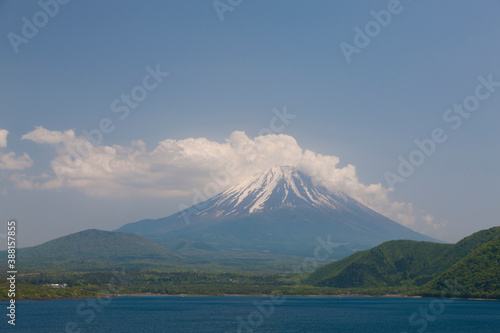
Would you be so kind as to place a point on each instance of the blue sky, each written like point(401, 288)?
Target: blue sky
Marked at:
point(229, 75)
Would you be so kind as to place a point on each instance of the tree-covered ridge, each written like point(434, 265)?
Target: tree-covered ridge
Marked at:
point(476, 275)
point(94, 250)
point(421, 267)
point(388, 264)
point(461, 249)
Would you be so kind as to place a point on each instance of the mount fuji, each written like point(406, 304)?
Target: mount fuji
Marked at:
point(280, 212)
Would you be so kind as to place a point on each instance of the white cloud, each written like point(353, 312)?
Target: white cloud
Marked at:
point(428, 218)
point(433, 228)
point(3, 138)
point(9, 161)
point(42, 135)
point(176, 167)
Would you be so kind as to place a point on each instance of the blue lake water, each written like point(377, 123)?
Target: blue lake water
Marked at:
point(255, 314)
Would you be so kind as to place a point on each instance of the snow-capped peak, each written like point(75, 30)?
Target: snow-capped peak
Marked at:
point(279, 186)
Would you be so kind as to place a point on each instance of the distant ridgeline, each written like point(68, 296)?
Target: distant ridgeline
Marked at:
point(93, 249)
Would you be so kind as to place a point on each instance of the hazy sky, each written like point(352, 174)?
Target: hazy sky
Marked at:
point(174, 92)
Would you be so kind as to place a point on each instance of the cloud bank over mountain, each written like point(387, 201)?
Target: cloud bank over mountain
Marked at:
point(193, 165)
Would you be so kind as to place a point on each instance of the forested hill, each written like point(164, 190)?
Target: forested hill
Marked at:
point(473, 264)
point(96, 249)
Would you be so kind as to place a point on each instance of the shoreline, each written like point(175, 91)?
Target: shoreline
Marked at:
point(264, 295)
point(256, 295)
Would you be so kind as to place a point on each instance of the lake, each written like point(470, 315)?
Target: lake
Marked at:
point(255, 314)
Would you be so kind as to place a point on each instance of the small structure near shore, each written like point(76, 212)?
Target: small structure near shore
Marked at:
point(55, 285)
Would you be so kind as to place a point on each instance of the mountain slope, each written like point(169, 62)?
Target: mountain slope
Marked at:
point(278, 212)
point(385, 265)
point(474, 260)
point(96, 249)
point(460, 250)
point(476, 275)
